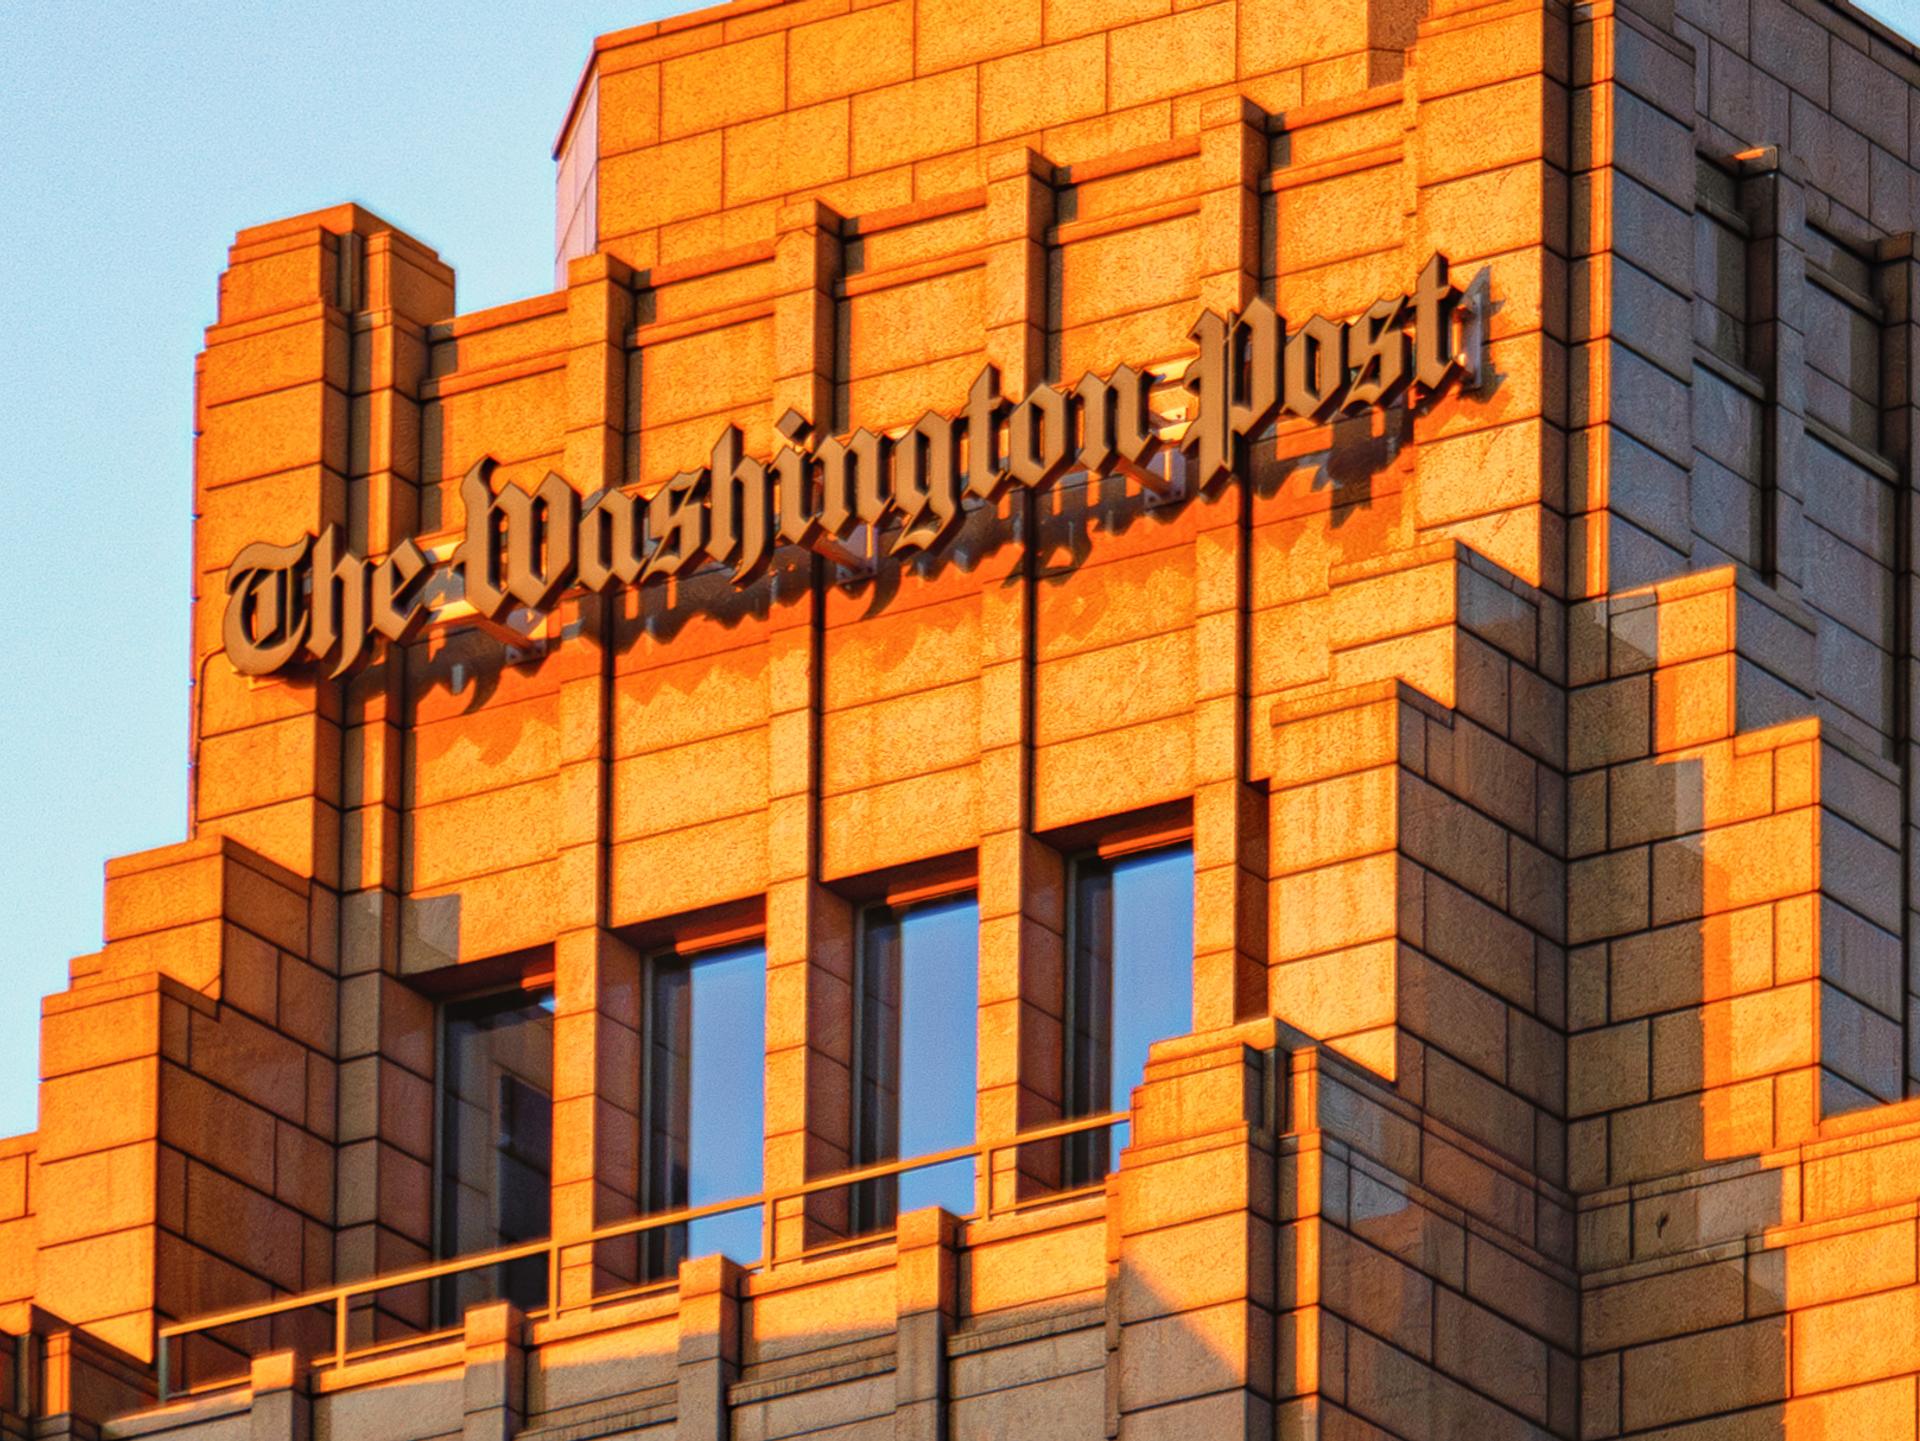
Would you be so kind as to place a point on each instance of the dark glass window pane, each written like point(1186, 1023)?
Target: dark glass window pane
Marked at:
point(707, 1019)
point(1129, 984)
point(916, 1026)
point(496, 1144)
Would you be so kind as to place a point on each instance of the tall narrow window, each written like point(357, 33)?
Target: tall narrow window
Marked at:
point(496, 1144)
point(705, 1100)
point(915, 1024)
point(1129, 984)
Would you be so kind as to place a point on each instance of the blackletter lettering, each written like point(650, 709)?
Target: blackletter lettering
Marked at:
point(266, 618)
point(676, 524)
point(1253, 368)
point(540, 534)
point(399, 582)
point(986, 473)
point(793, 477)
point(524, 549)
point(853, 481)
point(1116, 436)
point(1316, 369)
point(740, 510)
point(1434, 304)
point(609, 549)
point(518, 547)
point(926, 482)
point(1209, 439)
point(1380, 354)
point(338, 604)
point(1037, 438)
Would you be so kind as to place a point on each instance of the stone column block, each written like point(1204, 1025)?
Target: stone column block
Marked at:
point(709, 1351)
point(282, 1405)
point(495, 1377)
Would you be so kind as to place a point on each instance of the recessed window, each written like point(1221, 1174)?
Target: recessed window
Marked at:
point(916, 999)
point(1129, 984)
point(496, 1143)
point(705, 1100)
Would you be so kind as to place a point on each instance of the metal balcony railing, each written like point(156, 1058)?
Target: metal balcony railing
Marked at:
point(340, 1299)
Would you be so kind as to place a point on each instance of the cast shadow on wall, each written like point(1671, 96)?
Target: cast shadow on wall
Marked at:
point(1694, 1029)
point(1336, 463)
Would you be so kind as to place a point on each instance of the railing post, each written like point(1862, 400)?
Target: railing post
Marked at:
point(281, 1404)
point(708, 1361)
point(991, 1204)
point(495, 1381)
point(926, 1281)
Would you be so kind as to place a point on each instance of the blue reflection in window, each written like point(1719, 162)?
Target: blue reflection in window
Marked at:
point(916, 1025)
point(496, 1144)
point(706, 1054)
point(1129, 984)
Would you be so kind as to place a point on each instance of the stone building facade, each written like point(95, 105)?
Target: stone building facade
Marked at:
point(1540, 728)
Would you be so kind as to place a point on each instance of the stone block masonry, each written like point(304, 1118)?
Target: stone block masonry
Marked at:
point(1538, 710)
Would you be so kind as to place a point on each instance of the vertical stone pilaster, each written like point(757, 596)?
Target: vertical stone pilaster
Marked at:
point(1022, 939)
point(395, 288)
point(1197, 1179)
point(809, 929)
point(1233, 161)
point(1899, 281)
point(282, 1407)
point(1022, 922)
point(1022, 955)
point(926, 1277)
point(807, 262)
point(1774, 199)
point(1021, 881)
point(1309, 1342)
point(809, 943)
point(709, 1355)
point(1229, 840)
point(494, 1378)
point(1487, 155)
point(275, 430)
point(1020, 208)
point(599, 320)
point(596, 1105)
point(403, 289)
point(597, 1011)
point(1629, 327)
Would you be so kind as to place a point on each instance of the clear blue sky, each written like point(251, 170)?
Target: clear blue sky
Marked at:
point(135, 138)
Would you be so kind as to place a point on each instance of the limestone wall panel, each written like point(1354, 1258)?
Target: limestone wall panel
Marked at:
point(1068, 1406)
point(1121, 299)
point(1048, 1270)
point(686, 786)
point(507, 334)
point(506, 743)
point(607, 1363)
point(482, 915)
point(659, 876)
